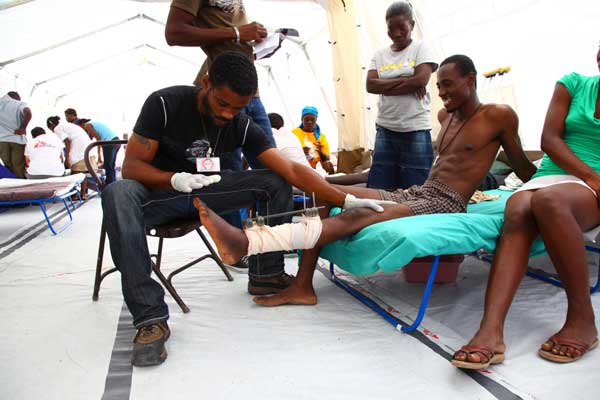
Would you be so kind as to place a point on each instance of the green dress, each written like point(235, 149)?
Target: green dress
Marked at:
point(582, 129)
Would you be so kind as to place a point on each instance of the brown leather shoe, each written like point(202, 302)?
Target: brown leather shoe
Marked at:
point(149, 345)
point(270, 285)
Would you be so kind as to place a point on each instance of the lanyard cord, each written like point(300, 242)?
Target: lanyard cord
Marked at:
point(211, 151)
point(441, 149)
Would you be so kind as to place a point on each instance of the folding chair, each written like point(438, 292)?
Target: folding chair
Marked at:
point(171, 230)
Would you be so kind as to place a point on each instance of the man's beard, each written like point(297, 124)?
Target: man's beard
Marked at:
point(209, 113)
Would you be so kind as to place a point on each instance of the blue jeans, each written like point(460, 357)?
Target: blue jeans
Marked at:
point(400, 159)
point(256, 111)
point(128, 206)
point(109, 153)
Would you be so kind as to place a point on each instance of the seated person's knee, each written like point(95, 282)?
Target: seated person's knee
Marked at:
point(544, 203)
point(516, 212)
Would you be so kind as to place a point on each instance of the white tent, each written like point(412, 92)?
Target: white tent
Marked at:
point(539, 40)
point(104, 58)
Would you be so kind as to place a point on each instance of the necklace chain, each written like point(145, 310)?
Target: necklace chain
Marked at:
point(214, 151)
point(441, 149)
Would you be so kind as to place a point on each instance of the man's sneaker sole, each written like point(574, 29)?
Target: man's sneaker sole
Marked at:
point(150, 354)
point(146, 355)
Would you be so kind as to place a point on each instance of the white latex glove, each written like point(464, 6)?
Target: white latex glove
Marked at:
point(352, 201)
point(186, 182)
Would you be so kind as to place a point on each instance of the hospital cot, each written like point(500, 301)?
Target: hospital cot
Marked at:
point(390, 245)
point(42, 191)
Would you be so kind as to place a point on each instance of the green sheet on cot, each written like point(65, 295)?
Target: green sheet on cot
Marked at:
point(390, 245)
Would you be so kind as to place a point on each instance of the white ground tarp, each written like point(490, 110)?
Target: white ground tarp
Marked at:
point(59, 344)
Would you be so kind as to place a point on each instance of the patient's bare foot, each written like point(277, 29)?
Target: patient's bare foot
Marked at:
point(294, 294)
point(231, 242)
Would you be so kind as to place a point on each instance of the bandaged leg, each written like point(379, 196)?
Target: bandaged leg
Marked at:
point(300, 235)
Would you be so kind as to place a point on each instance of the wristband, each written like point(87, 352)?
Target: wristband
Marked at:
point(237, 34)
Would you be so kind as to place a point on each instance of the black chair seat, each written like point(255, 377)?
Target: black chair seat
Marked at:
point(173, 229)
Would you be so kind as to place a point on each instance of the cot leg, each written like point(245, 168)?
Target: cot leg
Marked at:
point(68, 211)
point(43, 208)
point(425, 299)
point(596, 287)
point(384, 314)
point(364, 299)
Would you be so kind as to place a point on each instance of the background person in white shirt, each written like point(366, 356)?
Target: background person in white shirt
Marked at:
point(44, 155)
point(76, 140)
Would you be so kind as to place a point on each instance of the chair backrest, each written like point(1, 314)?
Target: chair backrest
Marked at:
point(88, 164)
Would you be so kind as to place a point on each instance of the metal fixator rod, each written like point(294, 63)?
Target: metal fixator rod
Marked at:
point(283, 214)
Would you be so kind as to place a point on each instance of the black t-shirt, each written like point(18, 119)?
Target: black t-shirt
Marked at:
point(171, 117)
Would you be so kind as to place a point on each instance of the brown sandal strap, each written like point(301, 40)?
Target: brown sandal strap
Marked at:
point(576, 344)
point(470, 349)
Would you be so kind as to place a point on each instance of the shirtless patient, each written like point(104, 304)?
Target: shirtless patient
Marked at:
point(470, 137)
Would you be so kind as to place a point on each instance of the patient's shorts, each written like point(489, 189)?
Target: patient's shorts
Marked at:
point(433, 197)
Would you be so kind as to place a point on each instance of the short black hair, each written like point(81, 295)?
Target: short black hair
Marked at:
point(463, 63)
point(14, 95)
point(71, 111)
point(235, 70)
point(37, 131)
point(276, 120)
point(52, 121)
point(399, 8)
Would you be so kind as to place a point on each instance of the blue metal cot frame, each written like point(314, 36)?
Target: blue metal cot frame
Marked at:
point(429, 285)
point(41, 203)
point(548, 278)
point(383, 313)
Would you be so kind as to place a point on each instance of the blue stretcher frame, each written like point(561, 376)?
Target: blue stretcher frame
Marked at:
point(429, 286)
point(40, 202)
point(544, 277)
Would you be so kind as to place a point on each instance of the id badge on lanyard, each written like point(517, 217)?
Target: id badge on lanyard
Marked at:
point(208, 163)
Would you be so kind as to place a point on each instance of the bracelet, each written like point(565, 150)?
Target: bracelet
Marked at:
point(237, 34)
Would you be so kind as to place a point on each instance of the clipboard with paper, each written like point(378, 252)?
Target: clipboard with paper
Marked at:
point(273, 40)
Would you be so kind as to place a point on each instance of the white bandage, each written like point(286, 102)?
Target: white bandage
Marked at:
point(300, 235)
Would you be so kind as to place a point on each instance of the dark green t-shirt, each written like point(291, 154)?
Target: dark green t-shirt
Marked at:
point(582, 129)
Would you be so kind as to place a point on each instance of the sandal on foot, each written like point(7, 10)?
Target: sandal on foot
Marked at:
point(487, 354)
point(574, 344)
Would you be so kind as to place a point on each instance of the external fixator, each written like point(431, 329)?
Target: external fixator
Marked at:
point(261, 220)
